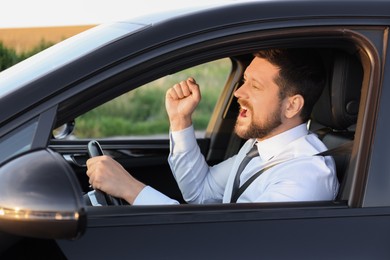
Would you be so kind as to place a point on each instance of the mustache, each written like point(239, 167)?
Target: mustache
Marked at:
point(244, 103)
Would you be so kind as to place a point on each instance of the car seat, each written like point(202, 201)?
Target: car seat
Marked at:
point(335, 114)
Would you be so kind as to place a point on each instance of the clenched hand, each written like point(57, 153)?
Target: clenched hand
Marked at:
point(180, 102)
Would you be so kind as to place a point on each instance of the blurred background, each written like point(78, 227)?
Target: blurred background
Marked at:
point(27, 27)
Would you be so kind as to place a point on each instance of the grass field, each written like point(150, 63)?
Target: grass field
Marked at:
point(142, 111)
point(25, 39)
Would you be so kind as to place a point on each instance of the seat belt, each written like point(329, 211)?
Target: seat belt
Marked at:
point(339, 150)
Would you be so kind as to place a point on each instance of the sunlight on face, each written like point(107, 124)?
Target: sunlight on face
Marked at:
point(260, 106)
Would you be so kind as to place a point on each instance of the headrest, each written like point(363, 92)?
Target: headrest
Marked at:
point(338, 105)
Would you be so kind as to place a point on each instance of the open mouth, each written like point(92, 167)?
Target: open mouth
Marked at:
point(243, 111)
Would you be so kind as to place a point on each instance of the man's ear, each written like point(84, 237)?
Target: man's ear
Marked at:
point(294, 106)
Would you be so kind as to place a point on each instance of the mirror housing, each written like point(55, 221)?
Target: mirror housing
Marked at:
point(40, 197)
point(64, 130)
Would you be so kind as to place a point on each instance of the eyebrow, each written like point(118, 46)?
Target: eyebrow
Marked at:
point(254, 79)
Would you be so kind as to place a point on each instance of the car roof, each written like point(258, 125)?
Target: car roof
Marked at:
point(206, 15)
point(175, 24)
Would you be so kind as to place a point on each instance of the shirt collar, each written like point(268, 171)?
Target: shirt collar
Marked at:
point(274, 145)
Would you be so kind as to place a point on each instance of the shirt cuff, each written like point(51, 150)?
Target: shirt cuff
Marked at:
point(183, 140)
point(150, 196)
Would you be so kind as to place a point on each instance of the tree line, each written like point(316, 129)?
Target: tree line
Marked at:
point(9, 57)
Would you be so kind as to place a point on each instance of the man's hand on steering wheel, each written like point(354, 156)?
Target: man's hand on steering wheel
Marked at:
point(106, 174)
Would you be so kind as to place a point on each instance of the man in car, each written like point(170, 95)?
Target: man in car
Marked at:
point(276, 98)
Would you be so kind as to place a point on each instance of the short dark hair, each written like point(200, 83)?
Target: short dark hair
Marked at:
point(301, 71)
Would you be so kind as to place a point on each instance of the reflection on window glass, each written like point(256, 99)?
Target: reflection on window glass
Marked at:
point(141, 112)
point(18, 141)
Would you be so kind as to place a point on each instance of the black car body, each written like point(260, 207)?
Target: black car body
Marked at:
point(38, 174)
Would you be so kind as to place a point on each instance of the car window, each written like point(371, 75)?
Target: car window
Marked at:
point(18, 141)
point(141, 112)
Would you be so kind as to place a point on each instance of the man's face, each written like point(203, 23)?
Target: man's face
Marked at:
point(260, 106)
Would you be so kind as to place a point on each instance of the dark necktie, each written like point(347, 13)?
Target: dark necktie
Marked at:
point(253, 152)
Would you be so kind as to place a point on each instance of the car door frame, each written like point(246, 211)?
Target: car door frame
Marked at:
point(224, 227)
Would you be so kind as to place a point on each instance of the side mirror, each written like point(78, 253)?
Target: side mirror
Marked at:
point(41, 197)
point(64, 131)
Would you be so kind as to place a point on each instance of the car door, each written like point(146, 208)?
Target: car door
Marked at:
point(323, 230)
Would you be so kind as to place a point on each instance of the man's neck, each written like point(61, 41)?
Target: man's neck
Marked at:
point(280, 129)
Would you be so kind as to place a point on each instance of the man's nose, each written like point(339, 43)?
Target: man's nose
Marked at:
point(240, 91)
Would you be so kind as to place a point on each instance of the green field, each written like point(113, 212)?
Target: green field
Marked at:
point(142, 111)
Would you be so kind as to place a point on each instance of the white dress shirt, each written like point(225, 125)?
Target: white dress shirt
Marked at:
point(298, 176)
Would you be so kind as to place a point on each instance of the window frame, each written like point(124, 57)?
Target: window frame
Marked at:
point(193, 52)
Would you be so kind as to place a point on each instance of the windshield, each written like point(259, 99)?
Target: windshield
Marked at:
point(63, 53)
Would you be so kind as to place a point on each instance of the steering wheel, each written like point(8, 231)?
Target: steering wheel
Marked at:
point(102, 198)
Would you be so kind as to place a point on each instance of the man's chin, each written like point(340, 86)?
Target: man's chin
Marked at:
point(240, 131)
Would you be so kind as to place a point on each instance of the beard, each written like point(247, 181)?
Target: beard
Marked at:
point(260, 130)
